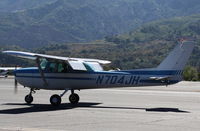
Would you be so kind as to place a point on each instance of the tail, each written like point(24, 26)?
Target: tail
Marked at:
point(178, 57)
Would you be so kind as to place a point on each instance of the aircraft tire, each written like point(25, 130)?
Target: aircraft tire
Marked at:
point(55, 100)
point(74, 98)
point(28, 99)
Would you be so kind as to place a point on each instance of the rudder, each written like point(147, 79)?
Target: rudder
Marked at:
point(178, 57)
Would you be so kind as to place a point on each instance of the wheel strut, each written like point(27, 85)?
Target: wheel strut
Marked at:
point(72, 91)
point(61, 95)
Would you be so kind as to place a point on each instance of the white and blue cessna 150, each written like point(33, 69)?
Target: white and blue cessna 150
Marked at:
point(64, 73)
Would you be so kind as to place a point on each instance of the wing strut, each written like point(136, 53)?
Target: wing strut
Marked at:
point(41, 71)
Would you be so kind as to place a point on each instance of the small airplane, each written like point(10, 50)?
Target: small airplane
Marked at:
point(70, 74)
point(4, 71)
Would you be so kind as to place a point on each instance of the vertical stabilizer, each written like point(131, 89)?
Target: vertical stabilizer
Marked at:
point(178, 57)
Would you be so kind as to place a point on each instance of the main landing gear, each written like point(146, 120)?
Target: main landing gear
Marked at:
point(55, 99)
point(74, 98)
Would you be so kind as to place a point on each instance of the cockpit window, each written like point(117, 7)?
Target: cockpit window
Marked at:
point(58, 67)
point(53, 67)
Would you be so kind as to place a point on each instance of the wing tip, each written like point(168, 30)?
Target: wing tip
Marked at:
point(6, 51)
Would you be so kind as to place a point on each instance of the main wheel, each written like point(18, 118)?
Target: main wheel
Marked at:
point(55, 100)
point(28, 99)
point(74, 98)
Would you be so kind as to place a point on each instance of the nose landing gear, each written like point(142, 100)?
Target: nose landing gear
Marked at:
point(29, 98)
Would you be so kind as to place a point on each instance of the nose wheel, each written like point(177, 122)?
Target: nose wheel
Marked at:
point(29, 98)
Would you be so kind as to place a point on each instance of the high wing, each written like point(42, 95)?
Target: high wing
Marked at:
point(34, 56)
point(75, 63)
point(8, 68)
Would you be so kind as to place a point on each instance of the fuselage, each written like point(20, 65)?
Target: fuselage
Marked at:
point(31, 77)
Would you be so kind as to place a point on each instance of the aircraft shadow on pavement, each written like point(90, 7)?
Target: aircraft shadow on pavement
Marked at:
point(159, 109)
point(42, 107)
point(66, 106)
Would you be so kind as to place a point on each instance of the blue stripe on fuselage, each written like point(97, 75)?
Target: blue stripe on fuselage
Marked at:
point(52, 77)
point(125, 72)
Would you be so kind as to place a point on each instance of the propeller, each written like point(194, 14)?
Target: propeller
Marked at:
point(15, 83)
point(15, 86)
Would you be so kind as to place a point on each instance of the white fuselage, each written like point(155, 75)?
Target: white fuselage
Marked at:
point(87, 80)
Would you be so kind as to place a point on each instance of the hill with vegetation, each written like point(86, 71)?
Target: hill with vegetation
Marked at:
point(145, 47)
point(20, 5)
point(136, 48)
point(65, 21)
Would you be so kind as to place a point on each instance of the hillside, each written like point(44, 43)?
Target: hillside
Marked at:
point(165, 32)
point(19, 5)
point(67, 21)
point(143, 48)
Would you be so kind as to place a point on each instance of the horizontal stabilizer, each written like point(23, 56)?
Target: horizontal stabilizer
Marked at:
point(160, 78)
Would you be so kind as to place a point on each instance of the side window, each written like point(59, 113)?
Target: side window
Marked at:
point(64, 68)
point(52, 67)
point(60, 68)
point(55, 67)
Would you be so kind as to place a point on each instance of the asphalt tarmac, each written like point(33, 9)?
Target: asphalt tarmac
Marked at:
point(172, 108)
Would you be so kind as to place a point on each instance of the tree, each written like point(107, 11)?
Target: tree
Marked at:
point(190, 74)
